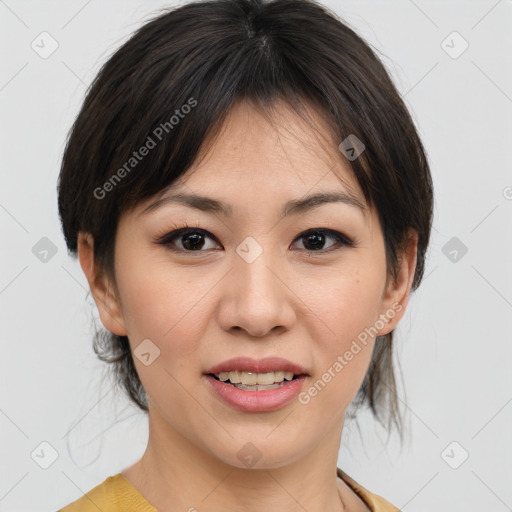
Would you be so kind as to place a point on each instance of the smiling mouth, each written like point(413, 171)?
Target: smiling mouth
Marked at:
point(251, 381)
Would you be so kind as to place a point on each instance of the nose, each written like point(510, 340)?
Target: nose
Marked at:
point(256, 297)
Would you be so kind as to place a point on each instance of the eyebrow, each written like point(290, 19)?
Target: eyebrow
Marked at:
point(293, 207)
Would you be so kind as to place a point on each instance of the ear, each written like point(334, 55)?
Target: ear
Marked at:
point(397, 291)
point(102, 290)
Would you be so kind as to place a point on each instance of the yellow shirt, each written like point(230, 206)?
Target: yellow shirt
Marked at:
point(117, 494)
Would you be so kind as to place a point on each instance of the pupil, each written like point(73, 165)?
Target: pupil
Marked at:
point(195, 236)
point(317, 237)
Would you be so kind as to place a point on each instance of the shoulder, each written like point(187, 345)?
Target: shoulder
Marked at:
point(114, 494)
point(375, 502)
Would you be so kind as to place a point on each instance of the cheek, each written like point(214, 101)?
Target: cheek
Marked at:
point(346, 308)
point(344, 346)
point(162, 305)
point(347, 303)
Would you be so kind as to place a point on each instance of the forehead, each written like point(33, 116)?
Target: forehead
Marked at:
point(254, 154)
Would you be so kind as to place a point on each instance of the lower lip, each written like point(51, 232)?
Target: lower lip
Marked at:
point(257, 401)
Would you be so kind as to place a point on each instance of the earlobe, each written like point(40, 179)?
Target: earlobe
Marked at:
point(397, 293)
point(101, 289)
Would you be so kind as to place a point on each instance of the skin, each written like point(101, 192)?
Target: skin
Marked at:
point(201, 308)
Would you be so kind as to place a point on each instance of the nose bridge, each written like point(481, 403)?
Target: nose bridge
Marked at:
point(256, 267)
point(258, 298)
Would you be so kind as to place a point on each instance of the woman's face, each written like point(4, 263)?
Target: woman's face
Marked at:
point(253, 284)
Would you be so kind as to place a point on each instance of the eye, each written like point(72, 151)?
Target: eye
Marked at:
point(314, 240)
point(191, 240)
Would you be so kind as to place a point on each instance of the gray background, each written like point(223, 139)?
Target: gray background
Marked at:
point(454, 344)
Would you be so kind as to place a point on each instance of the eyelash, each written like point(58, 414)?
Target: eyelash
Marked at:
point(168, 237)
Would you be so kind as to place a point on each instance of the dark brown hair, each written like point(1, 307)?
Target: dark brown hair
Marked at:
point(176, 79)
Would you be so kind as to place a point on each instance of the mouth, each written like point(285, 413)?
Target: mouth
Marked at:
point(244, 393)
point(252, 381)
point(256, 385)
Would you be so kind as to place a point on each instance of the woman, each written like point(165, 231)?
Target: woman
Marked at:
point(251, 205)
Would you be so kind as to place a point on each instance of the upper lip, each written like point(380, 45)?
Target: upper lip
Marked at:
point(268, 364)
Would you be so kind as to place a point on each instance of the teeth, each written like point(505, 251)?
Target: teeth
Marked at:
point(251, 378)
